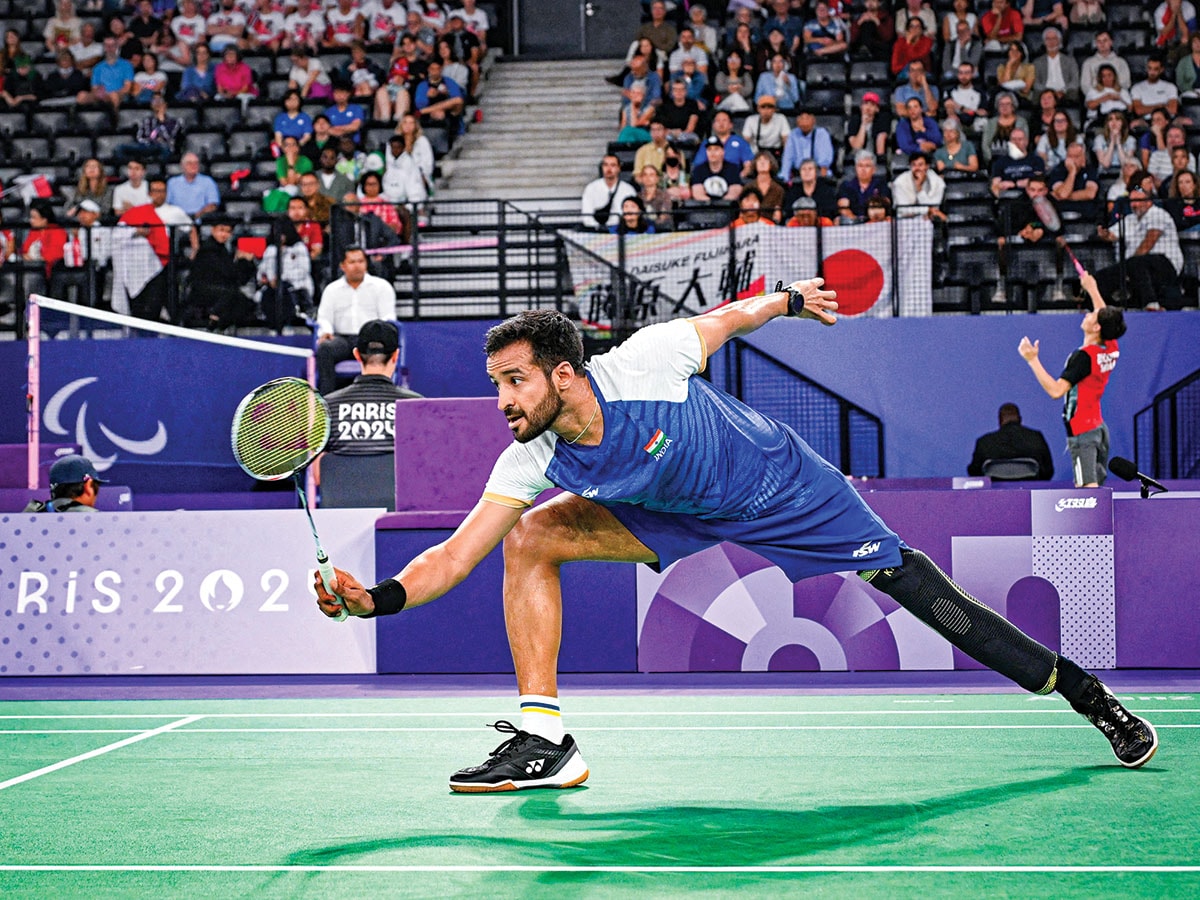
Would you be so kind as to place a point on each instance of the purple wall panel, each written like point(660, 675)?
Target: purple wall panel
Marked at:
point(1155, 556)
point(463, 631)
point(926, 520)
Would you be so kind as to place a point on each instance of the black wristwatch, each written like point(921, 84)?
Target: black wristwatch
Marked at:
point(795, 298)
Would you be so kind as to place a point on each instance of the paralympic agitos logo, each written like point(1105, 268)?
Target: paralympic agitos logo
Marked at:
point(53, 415)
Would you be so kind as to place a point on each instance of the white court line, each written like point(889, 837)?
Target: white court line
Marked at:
point(618, 728)
point(107, 748)
point(741, 713)
point(719, 870)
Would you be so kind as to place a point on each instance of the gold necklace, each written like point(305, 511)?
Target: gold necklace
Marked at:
point(588, 425)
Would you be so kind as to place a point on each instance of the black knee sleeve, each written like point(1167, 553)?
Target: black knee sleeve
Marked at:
point(983, 634)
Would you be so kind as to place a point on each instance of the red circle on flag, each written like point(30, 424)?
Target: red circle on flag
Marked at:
point(857, 278)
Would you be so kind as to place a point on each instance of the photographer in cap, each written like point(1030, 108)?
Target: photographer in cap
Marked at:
point(74, 485)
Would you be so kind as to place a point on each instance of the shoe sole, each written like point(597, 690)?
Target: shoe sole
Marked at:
point(575, 772)
point(1145, 759)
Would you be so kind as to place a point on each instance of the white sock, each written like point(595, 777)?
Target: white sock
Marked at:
point(541, 716)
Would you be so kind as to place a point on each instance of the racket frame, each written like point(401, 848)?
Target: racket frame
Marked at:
point(322, 408)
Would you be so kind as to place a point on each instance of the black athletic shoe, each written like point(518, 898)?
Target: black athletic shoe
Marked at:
point(524, 761)
point(1133, 739)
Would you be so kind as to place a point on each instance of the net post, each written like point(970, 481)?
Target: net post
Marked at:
point(33, 369)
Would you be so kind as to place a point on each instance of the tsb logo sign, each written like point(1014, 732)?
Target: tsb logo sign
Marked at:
point(1065, 503)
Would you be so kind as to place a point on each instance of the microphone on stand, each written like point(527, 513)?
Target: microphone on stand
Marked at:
point(1127, 471)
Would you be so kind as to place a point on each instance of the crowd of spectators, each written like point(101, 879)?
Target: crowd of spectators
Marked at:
point(867, 110)
point(182, 118)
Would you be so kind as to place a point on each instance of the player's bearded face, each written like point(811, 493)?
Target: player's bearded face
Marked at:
point(527, 423)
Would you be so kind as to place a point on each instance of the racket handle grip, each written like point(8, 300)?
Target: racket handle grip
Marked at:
point(327, 576)
point(1079, 267)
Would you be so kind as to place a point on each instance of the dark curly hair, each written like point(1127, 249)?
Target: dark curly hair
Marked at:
point(553, 337)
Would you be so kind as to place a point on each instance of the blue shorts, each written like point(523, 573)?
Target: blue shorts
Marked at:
point(820, 526)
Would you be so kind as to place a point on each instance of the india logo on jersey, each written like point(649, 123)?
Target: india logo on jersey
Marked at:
point(658, 444)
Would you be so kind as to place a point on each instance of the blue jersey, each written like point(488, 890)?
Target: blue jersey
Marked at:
point(684, 466)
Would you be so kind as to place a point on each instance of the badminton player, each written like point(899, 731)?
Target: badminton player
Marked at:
point(1082, 384)
point(658, 465)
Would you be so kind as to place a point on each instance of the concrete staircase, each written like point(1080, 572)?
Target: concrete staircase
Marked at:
point(545, 126)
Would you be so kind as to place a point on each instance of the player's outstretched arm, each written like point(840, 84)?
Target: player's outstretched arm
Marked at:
point(430, 574)
point(1055, 387)
point(1087, 281)
point(805, 299)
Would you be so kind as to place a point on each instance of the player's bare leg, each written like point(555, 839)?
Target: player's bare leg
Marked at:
point(565, 529)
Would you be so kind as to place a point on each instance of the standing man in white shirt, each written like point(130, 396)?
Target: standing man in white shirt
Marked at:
point(919, 191)
point(346, 305)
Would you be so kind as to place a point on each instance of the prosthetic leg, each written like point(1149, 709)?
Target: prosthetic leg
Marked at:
point(987, 637)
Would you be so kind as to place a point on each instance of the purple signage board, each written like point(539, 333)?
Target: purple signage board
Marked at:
point(1041, 558)
point(463, 631)
point(178, 593)
point(1072, 511)
point(1155, 568)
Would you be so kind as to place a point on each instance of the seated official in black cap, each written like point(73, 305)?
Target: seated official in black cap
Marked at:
point(74, 484)
point(358, 466)
point(362, 413)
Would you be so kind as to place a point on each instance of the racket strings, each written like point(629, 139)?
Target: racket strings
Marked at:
point(279, 429)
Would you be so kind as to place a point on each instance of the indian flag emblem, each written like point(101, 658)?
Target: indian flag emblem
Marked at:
point(656, 443)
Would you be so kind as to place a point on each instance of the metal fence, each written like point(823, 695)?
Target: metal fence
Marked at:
point(843, 433)
point(1166, 434)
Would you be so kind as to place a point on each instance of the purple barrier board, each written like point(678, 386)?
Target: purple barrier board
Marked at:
point(112, 498)
point(177, 593)
point(1155, 568)
point(463, 631)
point(14, 463)
point(1045, 559)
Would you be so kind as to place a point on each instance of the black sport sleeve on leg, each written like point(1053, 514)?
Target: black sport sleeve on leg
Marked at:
point(978, 631)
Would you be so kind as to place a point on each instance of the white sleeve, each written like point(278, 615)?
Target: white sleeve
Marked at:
point(385, 301)
point(654, 364)
point(589, 204)
point(519, 475)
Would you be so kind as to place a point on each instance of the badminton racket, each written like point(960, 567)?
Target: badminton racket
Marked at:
point(278, 429)
point(1078, 265)
point(1047, 213)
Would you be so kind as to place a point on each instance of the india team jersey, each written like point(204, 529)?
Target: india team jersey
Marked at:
point(671, 442)
point(683, 466)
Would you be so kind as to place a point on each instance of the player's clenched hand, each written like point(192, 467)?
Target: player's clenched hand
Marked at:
point(818, 304)
point(358, 601)
point(1028, 349)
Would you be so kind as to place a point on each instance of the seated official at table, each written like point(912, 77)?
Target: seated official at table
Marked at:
point(1013, 441)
